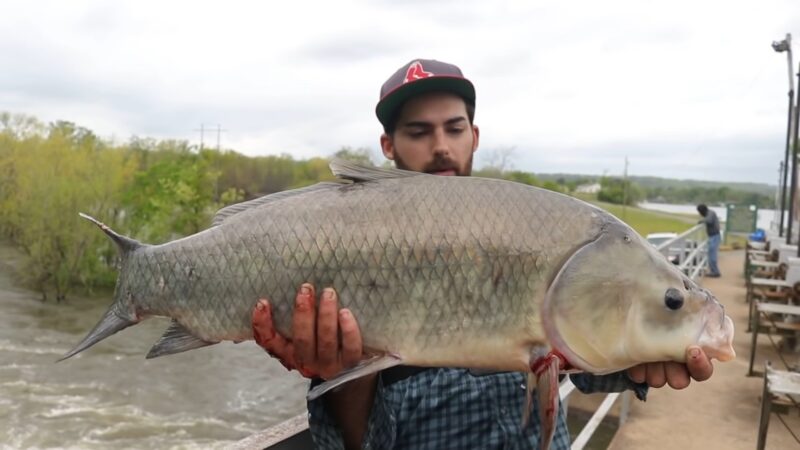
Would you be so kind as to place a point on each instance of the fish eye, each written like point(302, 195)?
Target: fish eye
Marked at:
point(626, 238)
point(673, 299)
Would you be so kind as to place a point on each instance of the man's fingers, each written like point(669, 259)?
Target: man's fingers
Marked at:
point(351, 339)
point(328, 332)
point(638, 374)
point(304, 326)
point(261, 321)
point(266, 337)
point(655, 375)
point(677, 375)
point(700, 367)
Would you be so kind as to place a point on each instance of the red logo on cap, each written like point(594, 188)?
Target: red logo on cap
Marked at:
point(416, 72)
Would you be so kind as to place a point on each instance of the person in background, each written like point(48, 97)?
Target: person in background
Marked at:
point(427, 109)
point(712, 229)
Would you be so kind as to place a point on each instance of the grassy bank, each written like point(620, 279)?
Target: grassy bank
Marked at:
point(646, 221)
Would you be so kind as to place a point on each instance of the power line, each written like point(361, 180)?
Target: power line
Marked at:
point(203, 130)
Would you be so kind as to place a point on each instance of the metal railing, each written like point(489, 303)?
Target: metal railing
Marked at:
point(566, 390)
point(688, 250)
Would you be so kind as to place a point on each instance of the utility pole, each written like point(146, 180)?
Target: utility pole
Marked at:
point(202, 135)
point(219, 131)
point(625, 190)
point(203, 130)
point(778, 191)
point(795, 150)
point(793, 168)
point(786, 46)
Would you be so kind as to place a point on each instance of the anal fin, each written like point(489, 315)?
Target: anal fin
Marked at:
point(366, 367)
point(176, 339)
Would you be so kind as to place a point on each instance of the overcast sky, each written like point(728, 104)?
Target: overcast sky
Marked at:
point(685, 89)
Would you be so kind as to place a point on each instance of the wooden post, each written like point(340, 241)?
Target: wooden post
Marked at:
point(766, 408)
point(754, 342)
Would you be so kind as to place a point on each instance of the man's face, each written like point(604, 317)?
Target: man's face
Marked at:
point(433, 135)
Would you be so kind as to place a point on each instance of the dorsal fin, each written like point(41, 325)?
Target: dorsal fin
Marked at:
point(125, 244)
point(232, 210)
point(350, 170)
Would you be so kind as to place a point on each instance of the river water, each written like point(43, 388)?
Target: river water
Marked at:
point(110, 396)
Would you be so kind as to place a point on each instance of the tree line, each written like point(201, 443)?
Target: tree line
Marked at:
point(152, 190)
point(619, 191)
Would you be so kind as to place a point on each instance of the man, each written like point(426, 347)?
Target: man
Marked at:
point(712, 230)
point(427, 110)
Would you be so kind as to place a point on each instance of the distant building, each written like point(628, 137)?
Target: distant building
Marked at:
point(592, 188)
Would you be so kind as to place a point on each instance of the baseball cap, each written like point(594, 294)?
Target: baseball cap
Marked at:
point(418, 77)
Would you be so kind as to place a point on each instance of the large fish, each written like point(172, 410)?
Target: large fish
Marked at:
point(439, 271)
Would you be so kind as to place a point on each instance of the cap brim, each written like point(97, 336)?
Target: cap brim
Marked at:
point(394, 99)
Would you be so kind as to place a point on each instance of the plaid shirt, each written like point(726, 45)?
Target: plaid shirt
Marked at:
point(455, 409)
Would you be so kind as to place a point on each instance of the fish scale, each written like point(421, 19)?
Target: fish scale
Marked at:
point(426, 263)
point(376, 256)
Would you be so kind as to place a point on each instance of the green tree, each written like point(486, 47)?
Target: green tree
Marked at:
point(55, 176)
point(173, 197)
point(618, 191)
point(360, 155)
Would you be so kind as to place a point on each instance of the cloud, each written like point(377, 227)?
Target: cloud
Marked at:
point(678, 87)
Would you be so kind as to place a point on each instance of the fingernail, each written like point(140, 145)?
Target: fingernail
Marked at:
point(260, 306)
point(344, 313)
point(694, 353)
point(305, 289)
point(328, 294)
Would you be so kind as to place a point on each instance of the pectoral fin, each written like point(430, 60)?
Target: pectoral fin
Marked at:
point(529, 388)
point(175, 340)
point(545, 376)
point(366, 367)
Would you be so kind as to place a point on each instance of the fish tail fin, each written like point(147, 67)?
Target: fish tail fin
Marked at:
point(118, 316)
point(125, 244)
point(111, 322)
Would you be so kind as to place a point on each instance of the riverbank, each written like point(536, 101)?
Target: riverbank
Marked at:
point(646, 221)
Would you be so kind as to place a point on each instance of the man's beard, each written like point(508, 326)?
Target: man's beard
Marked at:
point(440, 163)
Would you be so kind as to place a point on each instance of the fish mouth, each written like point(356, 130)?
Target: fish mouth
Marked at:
point(445, 172)
point(716, 336)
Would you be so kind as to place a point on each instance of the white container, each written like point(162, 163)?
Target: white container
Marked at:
point(793, 272)
point(786, 251)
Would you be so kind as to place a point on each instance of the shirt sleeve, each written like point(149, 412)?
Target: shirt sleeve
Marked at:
point(613, 382)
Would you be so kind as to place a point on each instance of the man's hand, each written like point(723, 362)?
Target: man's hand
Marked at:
point(677, 375)
point(315, 349)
